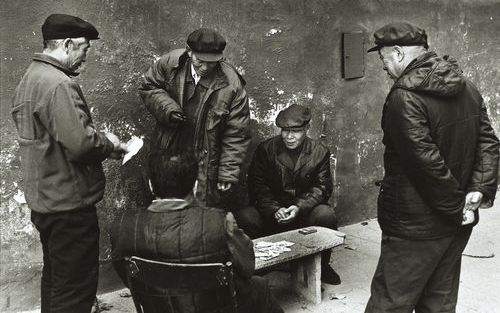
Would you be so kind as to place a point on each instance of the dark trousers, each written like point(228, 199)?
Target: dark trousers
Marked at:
point(256, 225)
point(70, 242)
point(254, 295)
point(418, 275)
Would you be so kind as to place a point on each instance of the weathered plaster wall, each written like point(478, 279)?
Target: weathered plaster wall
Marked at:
point(288, 51)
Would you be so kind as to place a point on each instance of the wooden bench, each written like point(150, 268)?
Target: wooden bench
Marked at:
point(305, 258)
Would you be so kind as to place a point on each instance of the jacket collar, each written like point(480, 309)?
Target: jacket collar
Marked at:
point(284, 158)
point(182, 64)
point(218, 79)
point(170, 204)
point(42, 57)
point(415, 63)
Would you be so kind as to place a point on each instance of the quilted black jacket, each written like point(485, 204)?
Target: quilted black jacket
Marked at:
point(439, 145)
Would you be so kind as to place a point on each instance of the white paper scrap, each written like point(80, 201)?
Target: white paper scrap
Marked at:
point(133, 146)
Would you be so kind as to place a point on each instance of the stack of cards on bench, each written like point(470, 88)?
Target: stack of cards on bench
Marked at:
point(265, 250)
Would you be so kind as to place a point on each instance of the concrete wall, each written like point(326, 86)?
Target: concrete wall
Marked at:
point(289, 51)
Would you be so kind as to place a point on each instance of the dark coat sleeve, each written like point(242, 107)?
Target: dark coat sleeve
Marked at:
point(152, 91)
point(240, 247)
point(235, 140)
point(321, 187)
point(259, 181)
point(407, 126)
point(485, 171)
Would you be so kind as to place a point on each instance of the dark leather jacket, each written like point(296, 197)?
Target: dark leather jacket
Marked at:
point(221, 132)
point(274, 182)
point(439, 145)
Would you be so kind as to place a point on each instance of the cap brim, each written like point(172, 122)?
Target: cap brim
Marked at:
point(208, 57)
point(376, 48)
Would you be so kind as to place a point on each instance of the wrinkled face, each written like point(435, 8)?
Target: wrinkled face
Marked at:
point(202, 68)
point(391, 59)
point(293, 137)
point(77, 52)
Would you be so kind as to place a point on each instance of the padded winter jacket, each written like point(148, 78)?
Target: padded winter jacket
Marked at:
point(61, 150)
point(179, 231)
point(439, 145)
point(221, 134)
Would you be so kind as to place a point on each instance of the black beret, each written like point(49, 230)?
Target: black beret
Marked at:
point(61, 26)
point(295, 116)
point(399, 34)
point(206, 44)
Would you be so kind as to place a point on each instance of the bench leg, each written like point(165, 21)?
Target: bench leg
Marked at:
point(306, 276)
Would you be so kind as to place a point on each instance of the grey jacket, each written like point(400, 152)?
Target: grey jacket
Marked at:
point(61, 150)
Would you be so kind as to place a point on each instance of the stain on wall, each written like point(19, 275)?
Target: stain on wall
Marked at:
point(289, 51)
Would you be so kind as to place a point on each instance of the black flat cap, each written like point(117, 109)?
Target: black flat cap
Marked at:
point(61, 26)
point(206, 44)
point(399, 34)
point(295, 116)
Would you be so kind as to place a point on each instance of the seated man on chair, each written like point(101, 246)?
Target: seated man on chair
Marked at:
point(175, 229)
point(289, 184)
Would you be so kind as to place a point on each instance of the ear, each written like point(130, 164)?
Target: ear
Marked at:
point(66, 42)
point(306, 128)
point(400, 54)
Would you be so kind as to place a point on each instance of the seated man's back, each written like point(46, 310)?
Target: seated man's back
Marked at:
point(175, 229)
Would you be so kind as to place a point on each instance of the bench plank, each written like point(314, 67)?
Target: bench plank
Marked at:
point(323, 239)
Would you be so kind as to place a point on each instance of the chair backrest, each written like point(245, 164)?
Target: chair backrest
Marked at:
point(160, 287)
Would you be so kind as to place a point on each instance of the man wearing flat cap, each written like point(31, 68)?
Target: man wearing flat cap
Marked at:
point(61, 154)
point(441, 164)
point(200, 103)
point(289, 184)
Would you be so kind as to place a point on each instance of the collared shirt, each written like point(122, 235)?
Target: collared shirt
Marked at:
point(195, 75)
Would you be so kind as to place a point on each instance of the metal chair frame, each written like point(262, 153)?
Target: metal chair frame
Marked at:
point(179, 279)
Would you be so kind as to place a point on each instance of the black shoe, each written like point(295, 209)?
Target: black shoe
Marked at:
point(329, 276)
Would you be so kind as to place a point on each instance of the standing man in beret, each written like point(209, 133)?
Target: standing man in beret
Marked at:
point(200, 103)
point(61, 154)
point(441, 164)
point(289, 184)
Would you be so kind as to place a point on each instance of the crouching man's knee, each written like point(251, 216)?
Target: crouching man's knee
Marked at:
point(250, 220)
point(323, 215)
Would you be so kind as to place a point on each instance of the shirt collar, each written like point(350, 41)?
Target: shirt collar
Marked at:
point(195, 76)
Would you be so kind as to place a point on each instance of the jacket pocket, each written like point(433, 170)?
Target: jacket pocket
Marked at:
point(215, 119)
point(23, 121)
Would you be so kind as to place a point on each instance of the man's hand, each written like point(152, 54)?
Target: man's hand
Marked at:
point(473, 200)
point(118, 154)
point(119, 148)
point(280, 214)
point(178, 117)
point(289, 214)
point(224, 186)
point(114, 140)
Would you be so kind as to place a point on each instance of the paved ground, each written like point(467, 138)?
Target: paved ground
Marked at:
point(356, 261)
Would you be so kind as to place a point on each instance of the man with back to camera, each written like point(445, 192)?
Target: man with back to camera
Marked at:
point(441, 163)
point(289, 184)
point(61, 154)
point(200, 103)
point(177, 229)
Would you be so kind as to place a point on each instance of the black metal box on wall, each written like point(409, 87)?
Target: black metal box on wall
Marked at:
point(353, 55)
